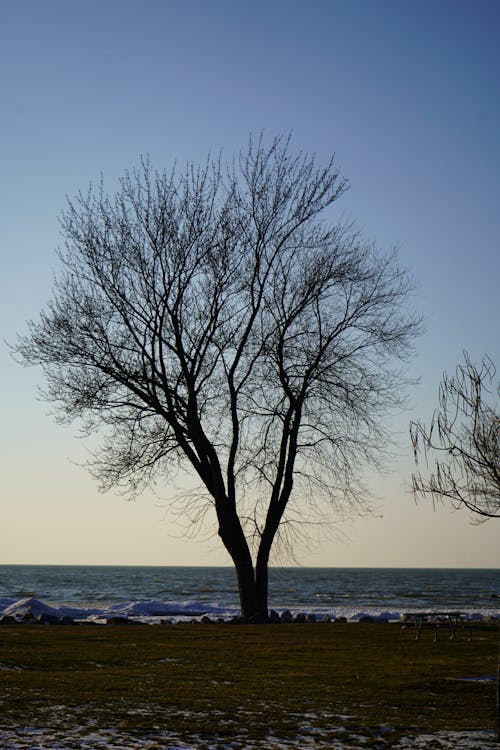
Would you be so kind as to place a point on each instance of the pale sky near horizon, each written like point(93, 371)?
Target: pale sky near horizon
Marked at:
point(407, 96)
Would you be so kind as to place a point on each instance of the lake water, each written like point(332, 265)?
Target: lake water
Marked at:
point(182, 592)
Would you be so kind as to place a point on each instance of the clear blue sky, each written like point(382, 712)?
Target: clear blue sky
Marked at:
point(406, 94)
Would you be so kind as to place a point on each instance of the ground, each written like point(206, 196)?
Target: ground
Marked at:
point(233, 687)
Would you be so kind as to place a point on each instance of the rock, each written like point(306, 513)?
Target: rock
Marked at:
point(326, 618)
point(65, 621)
point(46, 618)
point(7, 620)
point(117, 620)
point(311, 617)
point(286, 617)
point(206, 620)
point(366, 618)
point(300, 617)
point(274, 616)
point(341, 619)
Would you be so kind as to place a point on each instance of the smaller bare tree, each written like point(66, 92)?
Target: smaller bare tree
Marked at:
point(464, 437)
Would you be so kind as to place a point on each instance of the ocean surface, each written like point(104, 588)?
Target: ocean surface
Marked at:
point(179, 593)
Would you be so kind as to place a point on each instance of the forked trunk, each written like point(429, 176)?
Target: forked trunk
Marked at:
point(252, 583)
point(253, 590)
point(252, 602)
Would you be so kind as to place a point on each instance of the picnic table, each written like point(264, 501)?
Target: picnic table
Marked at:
point(436, 620)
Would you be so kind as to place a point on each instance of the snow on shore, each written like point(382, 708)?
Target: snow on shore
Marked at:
point(147, 611)
point(153, 611)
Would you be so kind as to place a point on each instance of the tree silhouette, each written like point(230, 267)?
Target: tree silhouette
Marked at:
point(464, 438)
point(208, 319)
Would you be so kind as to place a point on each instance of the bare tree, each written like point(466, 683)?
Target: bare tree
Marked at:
point(464, 437)
point(208, 319)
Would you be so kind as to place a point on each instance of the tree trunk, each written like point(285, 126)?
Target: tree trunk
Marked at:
point(262, 581)
point(247, 589)
point(252, 584)
point(253, 590)
point(234, 540)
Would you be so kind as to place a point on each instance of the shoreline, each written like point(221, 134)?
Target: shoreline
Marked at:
point(32, 611)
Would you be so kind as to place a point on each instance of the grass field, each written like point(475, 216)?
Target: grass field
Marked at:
point(221, 681)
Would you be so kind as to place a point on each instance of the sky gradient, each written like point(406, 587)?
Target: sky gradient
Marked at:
point(407, 97)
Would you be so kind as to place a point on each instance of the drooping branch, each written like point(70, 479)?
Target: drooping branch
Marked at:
point(464, 439)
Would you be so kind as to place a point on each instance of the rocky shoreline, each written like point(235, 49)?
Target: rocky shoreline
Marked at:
point(35, 612)
point(31, 617)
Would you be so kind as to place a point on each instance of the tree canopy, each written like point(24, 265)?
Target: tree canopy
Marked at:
point(212, 318)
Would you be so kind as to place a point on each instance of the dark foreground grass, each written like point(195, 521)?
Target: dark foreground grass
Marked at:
point(219, 679)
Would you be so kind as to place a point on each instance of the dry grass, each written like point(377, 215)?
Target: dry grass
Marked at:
point(257, 679)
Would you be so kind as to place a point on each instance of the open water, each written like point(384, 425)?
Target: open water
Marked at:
point(183, 592)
